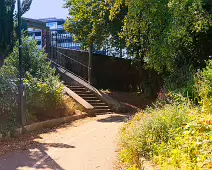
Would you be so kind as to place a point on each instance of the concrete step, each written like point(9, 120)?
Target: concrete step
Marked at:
point(82, 92)
point(98, 104)
point(90, 97)
point(77, 88)
point(87, 98)
point(86, 94)
point(101, 107)
point(102, 110)
point(103, 113)
point(93, 101)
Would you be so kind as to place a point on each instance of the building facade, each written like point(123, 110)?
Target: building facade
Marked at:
point(59, 37)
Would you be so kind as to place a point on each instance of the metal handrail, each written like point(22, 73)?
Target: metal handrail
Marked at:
point(73, 60)
point(68, 70)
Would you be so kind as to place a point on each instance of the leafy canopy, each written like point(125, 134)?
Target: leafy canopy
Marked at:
point(167, 34)
point(88, 20)
point(7, 16)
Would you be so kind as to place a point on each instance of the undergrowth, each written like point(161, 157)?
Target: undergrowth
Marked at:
point(173, 137)
point(174, 133)
point(44, 90)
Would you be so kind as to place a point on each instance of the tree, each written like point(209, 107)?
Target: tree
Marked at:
point(6, 26)
point(7, 8)
point(168, 34)
point(88, 22)
point(25, 6)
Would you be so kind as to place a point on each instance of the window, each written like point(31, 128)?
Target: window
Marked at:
point(52, 25)
point(37, 33)
point(30, 29)
point(39, 42)
point(60, 26)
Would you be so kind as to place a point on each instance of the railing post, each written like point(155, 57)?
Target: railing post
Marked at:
point(22, 91)
point(90, 51)
point(56, 45)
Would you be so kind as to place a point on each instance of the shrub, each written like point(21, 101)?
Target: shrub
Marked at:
point(191, 148)
point(203, 86)
point(176, 136)
point(141, 136)
point(8, 91)
point(43, 88)
point(43, 98)
point(182, 82)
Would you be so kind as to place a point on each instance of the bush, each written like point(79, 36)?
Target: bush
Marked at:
point(190, 148)
point(165, 97)
point(203, 86)
point(43, 98)
point(141, 136)
point(8, 92)
point(176, 136)
point(43, 88)
point(182, 81)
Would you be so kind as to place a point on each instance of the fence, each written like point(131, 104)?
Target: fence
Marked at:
point(55, 42)
point(64, 41)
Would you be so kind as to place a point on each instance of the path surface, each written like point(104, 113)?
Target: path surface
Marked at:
point(89, 144)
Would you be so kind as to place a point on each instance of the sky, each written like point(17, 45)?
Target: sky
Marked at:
point(47, 9)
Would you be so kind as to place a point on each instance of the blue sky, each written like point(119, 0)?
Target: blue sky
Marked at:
point(47, 9)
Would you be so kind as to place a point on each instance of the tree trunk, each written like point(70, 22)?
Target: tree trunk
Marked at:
point(90, 51)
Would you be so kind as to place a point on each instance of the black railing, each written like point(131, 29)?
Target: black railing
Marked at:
point(54, 42)
point(64, 41)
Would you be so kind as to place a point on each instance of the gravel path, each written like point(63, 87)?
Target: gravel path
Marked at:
point(89, 144)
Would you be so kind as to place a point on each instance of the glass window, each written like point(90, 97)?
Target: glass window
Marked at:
point(37, 33)
point(30, 29)
point(60, 26)
point(52, 25)
point(39, 42)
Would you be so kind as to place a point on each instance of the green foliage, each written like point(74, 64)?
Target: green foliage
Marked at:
point(176, 136)
point(87, 21)
point(6, 25)
point(141, 136)
point(203, 85)
point(25, 6)
point(43, 88)
point(168, 34)
point(182, 82)
point(174, 38)
point(8, 90)
point(43, 97)
point(7, 18)
point(174, 133)
point(189, 149)
point(34, 60)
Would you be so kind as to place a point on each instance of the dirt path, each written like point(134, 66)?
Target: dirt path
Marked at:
point(88, 144)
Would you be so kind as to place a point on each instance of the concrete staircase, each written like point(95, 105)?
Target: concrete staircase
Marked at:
point(91, 98)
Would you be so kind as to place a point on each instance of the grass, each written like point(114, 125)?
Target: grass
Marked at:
point(67, 108)
point(70, 106)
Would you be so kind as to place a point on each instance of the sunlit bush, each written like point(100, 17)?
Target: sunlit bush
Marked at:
point(176, 136)
point(203, 86)
point(43, 88)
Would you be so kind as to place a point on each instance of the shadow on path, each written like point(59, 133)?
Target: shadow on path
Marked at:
point(116, 118)
point(34, 158)
point(26, 152)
